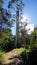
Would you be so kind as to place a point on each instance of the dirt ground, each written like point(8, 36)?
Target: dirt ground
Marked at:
point(13, 58)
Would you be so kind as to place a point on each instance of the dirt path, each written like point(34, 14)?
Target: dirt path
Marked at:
point(12, 58)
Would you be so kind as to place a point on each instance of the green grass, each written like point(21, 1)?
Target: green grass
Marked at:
point(2, 57)
point(20, 50)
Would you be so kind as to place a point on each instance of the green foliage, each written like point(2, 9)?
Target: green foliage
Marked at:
point(29, 55)
point(5, 25)
point(9, 45)
point(19, 50)
point(6, 22)
point(5, 16)
point(2, 57)
point(24, 38)
point(5, 36)
point(23, 54)
point(33, 38)
point(34, 46)
point(32, 56)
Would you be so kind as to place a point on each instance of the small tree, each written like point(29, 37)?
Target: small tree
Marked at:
point(23, 35)
point(33, 38)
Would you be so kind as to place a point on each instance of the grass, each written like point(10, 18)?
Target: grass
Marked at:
point(20, 50)
point(2, 57)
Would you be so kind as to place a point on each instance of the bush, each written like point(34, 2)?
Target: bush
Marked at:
point(32, 57)
point(33, 46)
point(9, 45)
point(23, 55)
point(2, 58)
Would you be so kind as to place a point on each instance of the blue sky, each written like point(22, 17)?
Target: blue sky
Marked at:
point(30, 10)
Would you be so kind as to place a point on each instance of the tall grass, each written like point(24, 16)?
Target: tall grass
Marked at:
point(2, 57)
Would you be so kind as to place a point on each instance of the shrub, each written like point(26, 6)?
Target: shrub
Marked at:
point(33, 46)
point(9, 45)
point(23, 55)
point(2, 58)
point(32, 57)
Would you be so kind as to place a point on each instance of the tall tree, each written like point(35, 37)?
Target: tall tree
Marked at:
point(5, 18)
point(5, 23)
point(18, 6)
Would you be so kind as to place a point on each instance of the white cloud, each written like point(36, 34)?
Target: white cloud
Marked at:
point(25, 18)
point(31, 27)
